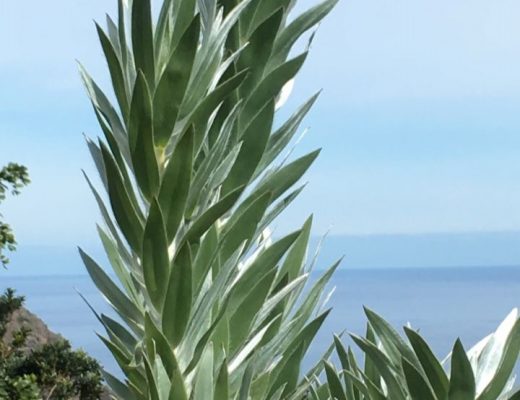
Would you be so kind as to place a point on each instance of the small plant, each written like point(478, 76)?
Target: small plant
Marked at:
point(397, 370)
point(52, 372)
point(9, 303)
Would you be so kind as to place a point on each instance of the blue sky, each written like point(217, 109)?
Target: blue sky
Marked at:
point(419, 118)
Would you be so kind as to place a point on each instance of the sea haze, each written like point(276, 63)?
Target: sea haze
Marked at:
point(487, 249)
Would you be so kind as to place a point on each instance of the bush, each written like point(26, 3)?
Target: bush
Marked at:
point(53, 372)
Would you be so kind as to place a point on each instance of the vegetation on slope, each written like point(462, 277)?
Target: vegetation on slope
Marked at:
point(51, 371)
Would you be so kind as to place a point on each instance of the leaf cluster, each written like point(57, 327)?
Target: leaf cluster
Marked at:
point(12, 178)
point(212, 307)
point(399, 369)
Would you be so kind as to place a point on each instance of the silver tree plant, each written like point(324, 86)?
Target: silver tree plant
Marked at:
point(209, 305)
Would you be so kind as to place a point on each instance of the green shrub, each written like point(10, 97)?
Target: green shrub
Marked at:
point(19, 387)
point(52, 372)
point(62, 372)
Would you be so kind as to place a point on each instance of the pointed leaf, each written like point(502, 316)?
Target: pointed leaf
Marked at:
point(431, 366)
point(205, 108)
point(254, 141)
point(116, 72)
point(142, 39)
point(141, 138)
point(177, 305)
point(118, 387)
point(281, 180)
point(240, 322)
point(508, 360)
point(393, 343)
point(258, 50)
point(211, 215)
point(112, 293)
point(126, 215)
point(242, 227)
point(383, 365)
point(156, 264)
point(335, 388)
point(153, 390)
point(166, 353)
point(222, 383)
point(203, 385)
point(175, 184)
point(296, 28)
point(462, 380)
point(173, 83)
point(269, 87)
point(418, 388)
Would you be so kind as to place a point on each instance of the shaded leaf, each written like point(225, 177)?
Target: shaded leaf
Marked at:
point(141, 138)
point(175, 184)
point(142, 39)
point(173, 83)
point(177, 305)
point(156, 263)
point(462, 380)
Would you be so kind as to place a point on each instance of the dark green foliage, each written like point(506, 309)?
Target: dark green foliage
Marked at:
point(9, 303)
point(12, 178)
point(53, 372)
point(63, 371)
point(21, 387)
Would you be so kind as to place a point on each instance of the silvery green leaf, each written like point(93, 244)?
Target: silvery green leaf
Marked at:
point(499, 358)
point(249, 347)
point(203, 385)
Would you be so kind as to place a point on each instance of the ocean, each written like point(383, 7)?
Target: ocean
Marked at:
point(444, 303)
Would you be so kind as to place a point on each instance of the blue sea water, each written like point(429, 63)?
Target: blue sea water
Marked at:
point(444, 303)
